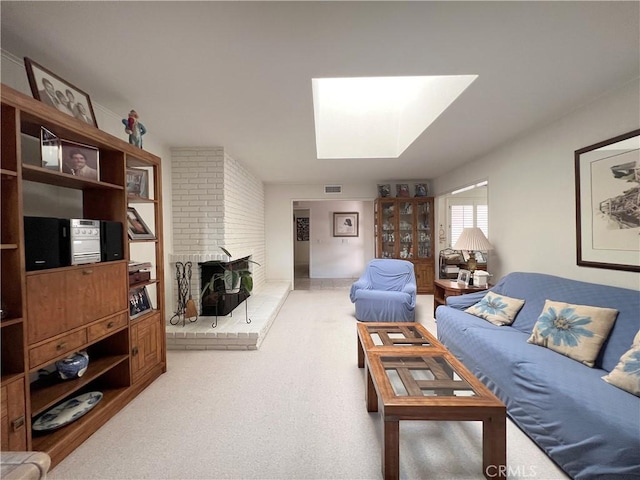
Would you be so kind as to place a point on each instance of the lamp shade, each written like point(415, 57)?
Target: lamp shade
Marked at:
point(472, 239)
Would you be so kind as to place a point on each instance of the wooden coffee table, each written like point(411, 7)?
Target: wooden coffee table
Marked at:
point(414, 381)
point(374, 336)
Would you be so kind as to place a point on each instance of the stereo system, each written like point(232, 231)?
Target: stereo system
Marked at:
point(60, 242)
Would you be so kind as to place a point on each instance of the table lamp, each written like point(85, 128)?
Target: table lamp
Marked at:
point(472, 239)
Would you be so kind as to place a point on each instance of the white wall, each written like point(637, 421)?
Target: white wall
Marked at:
point(532, 190)
point(279, 200)
point(339, 257)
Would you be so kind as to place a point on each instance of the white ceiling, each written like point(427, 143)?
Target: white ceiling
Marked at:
point(238, 74)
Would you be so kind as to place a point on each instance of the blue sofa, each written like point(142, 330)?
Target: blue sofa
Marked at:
point(590, 428)
point(386, 292)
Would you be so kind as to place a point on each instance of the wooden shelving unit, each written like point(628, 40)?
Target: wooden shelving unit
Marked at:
point(85, 307)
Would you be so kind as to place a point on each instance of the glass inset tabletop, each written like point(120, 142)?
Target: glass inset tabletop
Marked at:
point(396, 335)
point(424, 376)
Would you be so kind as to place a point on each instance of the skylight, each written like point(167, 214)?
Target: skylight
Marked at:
point(378, 117)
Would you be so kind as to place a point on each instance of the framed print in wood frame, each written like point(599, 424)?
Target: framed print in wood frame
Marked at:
point(52, 90)
point(80, 160)
point(345, 224)
point(139, 302)
point(607, 178)
point(137, 183)
point(136, 228)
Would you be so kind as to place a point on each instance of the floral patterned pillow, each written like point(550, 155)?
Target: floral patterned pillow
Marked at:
point(626, 375)
point(577, 331)
point(497, 309)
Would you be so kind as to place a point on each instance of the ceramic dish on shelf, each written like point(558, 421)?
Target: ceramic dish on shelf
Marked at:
point(67, 412)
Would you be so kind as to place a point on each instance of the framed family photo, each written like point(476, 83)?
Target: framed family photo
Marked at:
point(345, 224)
point(136, 228)
point(80, 160)
point(608, 203)
point(137, 183)
point(52, 90)
point(139, 302)
point(463, 277)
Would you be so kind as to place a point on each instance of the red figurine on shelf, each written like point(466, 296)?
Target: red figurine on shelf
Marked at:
point(134, 128)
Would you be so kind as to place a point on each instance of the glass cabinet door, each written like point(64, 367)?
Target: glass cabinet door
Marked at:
point(423, 220)
point(388, 229)
point(405, 229)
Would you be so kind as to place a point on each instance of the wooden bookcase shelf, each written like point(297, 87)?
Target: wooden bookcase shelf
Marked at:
point(54, 313)
point(404, 230)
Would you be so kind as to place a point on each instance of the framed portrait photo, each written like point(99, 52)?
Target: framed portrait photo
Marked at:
point(345, 224)
point(52, 90)
point(463, 277)
point(139, 302)
point(137, 183)
point(79, 160)
point(607, 206)
point(136, 228)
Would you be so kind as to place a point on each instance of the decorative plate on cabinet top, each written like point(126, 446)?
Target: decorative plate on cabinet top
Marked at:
point(67, 412)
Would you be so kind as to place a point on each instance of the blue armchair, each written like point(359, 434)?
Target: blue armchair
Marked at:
point(386, 292)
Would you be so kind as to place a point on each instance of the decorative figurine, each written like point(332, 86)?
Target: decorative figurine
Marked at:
point(134, 128)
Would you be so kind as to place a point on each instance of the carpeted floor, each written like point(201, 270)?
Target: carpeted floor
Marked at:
point(294, 409)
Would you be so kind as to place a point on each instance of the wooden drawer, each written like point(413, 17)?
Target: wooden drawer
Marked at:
point(100, 329)
point(46, 353)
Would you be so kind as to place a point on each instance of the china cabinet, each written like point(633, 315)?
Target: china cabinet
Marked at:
point(52, 313)
point(404, 230)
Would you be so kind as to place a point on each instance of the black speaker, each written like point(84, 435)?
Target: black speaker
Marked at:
point(46, 243)
point(111, 241)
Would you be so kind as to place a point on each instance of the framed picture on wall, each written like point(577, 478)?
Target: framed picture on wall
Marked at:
point(345, 224)
point(607, 213)
point(302, 229)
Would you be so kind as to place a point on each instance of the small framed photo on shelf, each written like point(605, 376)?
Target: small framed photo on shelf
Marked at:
point(384, 190)
point(139, 302)
point(49, 150)
point(421, 190)
point(136, 228)
point(402, 190)
point(345, 224)
point(463, 277)
point(137, 183)
point(80, 160)
point(52, 90)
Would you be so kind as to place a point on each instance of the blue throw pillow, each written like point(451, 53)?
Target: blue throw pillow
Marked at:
point(626, 375)
point(497, 309)
point(577, 331)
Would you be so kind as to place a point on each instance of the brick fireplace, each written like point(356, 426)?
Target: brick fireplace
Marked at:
point(216, 202)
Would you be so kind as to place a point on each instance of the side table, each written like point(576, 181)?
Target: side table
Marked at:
point(450, 288)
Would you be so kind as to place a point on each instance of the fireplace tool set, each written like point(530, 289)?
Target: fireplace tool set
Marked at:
point(186, 308)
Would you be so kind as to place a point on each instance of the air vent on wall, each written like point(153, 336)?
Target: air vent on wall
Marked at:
point(333, 189)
